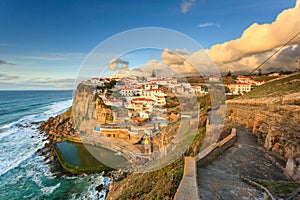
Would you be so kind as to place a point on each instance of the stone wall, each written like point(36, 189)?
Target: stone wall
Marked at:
point(214, 150)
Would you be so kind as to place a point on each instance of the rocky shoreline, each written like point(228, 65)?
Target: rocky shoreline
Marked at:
point(56, 129)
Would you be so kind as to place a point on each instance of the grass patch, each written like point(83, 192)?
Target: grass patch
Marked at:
point(279, 188)
point(68, 113)
point(194, 148)
point(159, 184)
point(277, 88)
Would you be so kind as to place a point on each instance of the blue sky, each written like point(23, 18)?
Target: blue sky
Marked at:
point(43, 43)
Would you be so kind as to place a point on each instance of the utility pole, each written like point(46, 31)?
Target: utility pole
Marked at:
point(298, 61)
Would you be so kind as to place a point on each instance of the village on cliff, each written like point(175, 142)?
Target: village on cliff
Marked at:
point(142, 111)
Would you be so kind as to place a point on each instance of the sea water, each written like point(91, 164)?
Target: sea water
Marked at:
point(24, 174)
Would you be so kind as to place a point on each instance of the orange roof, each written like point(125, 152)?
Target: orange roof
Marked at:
point(139, 103)
point(142, 99)
point(153, 90)
point(241, 76)
point(240, 83)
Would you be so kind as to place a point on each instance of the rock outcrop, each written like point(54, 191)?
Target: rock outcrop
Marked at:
point(60, 127)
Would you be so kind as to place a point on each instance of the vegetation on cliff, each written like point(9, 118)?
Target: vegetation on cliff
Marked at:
point(281, 189)
point(276, 88)
point(160, 184)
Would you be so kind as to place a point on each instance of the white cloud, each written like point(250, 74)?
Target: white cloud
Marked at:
point(179, 62)
point(284, 60)
point(118, 63)
point(209, 24)
point(186, 5)
point(258, 42)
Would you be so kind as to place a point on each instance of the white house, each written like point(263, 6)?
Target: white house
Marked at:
point(214, 79)
point(113, 102)
point(275, 74)
point(152, 92)
point(240, 88)
point(150, 86)
point(127, 92)
point(160, 100)
point(243, 79)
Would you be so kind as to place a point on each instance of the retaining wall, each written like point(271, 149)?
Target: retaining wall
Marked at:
point(188, 189)
point(214, 150)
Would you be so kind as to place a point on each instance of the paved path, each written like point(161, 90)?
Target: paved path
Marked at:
point(220, 179)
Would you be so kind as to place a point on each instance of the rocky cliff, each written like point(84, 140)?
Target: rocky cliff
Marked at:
point(84, 115)
point(274, 117)
point(60, 128)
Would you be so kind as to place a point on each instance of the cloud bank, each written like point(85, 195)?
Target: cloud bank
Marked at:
point(259, 41)
point(242, 55)
point(178, 63)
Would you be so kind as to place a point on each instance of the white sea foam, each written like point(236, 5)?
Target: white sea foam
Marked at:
point(57, 107)
point(49, 190)
point(7, 166)
point(18, 144)
point(50, 110)
point(6, 132)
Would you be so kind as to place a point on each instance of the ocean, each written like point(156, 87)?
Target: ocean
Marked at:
point(23, 173)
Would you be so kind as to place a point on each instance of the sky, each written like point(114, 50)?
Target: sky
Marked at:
point(44, 43)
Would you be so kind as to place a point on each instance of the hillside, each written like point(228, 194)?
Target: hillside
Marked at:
point(276, 88)
point(272, 111)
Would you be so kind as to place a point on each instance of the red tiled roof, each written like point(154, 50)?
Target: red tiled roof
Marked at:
point(240, 83)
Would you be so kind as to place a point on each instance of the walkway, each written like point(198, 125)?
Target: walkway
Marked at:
point(220, 179)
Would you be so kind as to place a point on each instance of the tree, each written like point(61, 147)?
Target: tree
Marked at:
point(229, 73)
point(227, 89)
point(153, 74)
point(259, 72)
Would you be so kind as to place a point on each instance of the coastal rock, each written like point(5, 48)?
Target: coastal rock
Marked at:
point(59, 127)
point(99, 187)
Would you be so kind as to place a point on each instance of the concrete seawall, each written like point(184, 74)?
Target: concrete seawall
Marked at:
point(188, 189)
